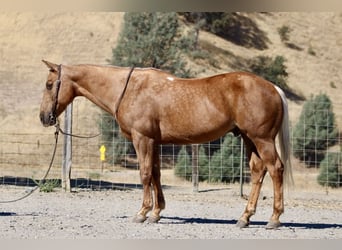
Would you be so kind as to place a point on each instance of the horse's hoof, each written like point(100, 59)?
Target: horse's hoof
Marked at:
point(273, 225)
point(242, 224)
point(139, 218)
point(153, 219)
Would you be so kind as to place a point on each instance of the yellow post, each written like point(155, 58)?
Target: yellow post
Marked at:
point(102, 155)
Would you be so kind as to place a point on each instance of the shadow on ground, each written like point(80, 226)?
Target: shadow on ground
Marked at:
point(82, 183)
point(180, 220)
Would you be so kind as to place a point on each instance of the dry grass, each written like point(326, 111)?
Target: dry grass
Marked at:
point(81, 37)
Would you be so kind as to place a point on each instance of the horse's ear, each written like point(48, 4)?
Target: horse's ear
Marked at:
point(52, 66)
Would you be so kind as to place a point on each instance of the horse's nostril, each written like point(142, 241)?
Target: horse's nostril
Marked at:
point(47, 119)
point(52, 119)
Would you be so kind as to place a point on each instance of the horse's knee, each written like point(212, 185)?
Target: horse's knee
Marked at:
point(146, 178)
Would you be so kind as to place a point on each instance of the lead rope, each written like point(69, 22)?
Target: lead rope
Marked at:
point(58, 129)
point(47, 172)
point(78, 136)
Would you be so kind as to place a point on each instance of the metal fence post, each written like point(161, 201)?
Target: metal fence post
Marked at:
point(241, 168)
point(67, 150)
point(194, 150)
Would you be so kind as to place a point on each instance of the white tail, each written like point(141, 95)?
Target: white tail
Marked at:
point(284, 140)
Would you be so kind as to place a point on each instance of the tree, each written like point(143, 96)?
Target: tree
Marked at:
point(331, 170)
point(183, 166)
point(273, 70)
point(284, 32)
point(315, 130)
point(151, 39)
point(225, 163)
point(203, 164)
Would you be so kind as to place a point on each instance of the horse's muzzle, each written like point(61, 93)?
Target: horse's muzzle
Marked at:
point(48, 119)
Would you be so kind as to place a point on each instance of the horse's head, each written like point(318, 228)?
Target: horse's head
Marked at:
point(58, 93)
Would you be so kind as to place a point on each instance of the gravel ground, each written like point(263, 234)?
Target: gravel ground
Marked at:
point(208, 214)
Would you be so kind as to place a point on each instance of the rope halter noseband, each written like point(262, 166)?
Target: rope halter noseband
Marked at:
point(53, 114)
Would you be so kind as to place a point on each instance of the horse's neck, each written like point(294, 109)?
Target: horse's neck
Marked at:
point(100, 84)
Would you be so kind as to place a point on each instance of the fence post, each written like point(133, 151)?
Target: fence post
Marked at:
point(241, 168)
point(67, 150)
point(194, 150)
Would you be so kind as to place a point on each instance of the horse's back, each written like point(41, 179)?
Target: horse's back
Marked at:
point(194, 110)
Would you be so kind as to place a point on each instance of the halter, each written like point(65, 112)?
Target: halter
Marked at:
point(58, 85)
point(58, 82)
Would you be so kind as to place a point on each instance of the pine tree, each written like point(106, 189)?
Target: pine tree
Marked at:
point(151, 39)
point(273, 70)
point(225, 163)
point(183, 165)
point(331, 170)
point(315, 130)
point(203, 164)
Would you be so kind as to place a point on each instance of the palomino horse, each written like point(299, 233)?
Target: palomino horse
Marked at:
point(153, 107)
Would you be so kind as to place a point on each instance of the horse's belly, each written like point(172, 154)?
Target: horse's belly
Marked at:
point(193, 133)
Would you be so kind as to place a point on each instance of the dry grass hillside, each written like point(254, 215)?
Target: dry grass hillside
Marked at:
point(308, 74)
point(27, 38)
point(88, 37)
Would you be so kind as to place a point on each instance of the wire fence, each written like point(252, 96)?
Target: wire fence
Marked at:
point(24, 157)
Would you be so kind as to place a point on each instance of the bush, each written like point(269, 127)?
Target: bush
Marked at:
point(330, 170)
point(225, 163)
point(151, 39)
point(315, 130)
point(47, 186)
point(273, 70)
point(284, 32)
point(183, 166)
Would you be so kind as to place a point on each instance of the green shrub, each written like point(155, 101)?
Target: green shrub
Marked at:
point(225, 163)
point(331, 170)
point(273, 70)
point(315, 131)
point(284, 32)
point(183, 167)
point(152, 39)
point(47, 186)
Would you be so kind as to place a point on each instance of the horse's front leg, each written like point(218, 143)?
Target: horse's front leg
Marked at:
point(159, 201)
point(144, 148)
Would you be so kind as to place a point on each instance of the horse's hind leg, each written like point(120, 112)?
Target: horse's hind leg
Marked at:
point(276, 169)
point(271, 159)
point(258, 172)
point(159, 201)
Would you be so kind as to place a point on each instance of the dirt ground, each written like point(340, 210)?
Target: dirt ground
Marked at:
point(210, 213)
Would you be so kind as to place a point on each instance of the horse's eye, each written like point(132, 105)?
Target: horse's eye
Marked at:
point(48, 85)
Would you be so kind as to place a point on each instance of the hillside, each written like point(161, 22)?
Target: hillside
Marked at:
point(88, 37)
point(27, 38)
